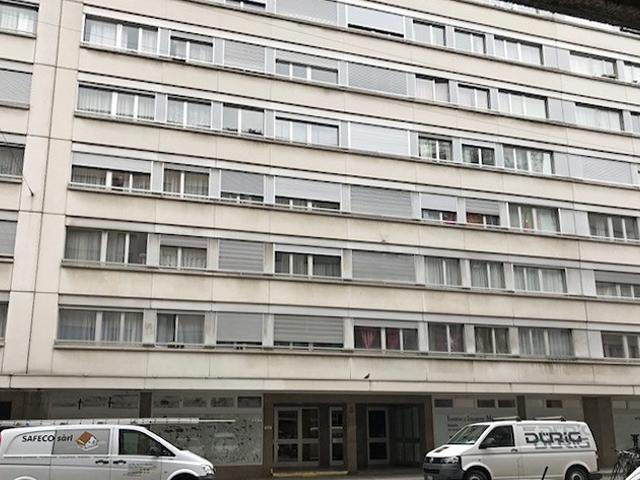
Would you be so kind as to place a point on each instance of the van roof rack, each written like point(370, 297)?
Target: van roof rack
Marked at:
point(112, 421)
point(507, 419)
point(556, 419)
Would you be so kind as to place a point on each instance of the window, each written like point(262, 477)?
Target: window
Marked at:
point(521, 104)
point(100, 326)
point(443, 402)
point(618, 345)
point(487, 274)
point(306, 72)
point(187, 113)
point(307, 204)
point(241, 197)
point(248, 4)
point(535, 279)
point(180, 329)
point(306, 132)
point(613, 226)
point(241, 187)
point(492, 340)
point(108, 33)
point(136, 443)
point(117, 104)
point(545, 342)
point(632, 72)
point(11, 160)
point(386, 338)
point(183, 257)
point(473, 97)
point(440, 216)
point(528, 160)
point(435, 149)
point(432, 89)
point(470, 41)
point(18, 18)
point(242, 120)
point(622, 290)
point(597, 117)
point(553, 404)
point(312, 265)
point(483, 219)
point(518, 51)
point(443, 271)
point(83, 245)
point(429, 33)
point(110, 179)
point(590, 65)
point(185, 183)
point(122, 247)
point(3, 319)
point(110, 247)
point(635, 122)
point(447, 338)
point(499, 437)
point(534, 218)
point(191, 50)
point(478, 155)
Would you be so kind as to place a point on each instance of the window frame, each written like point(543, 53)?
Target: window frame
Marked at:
point(594, 60)
point(183, 174)
point(98, 318)
point(523, 97)
point(309, 257)
point(536, 221)
point(539, 273)
point(109, 173)
point(626, 341)
point(113, 108)
point(473, 35)
point(446, 281)
point(383, 338)
point(310, 204)
point(441, 213)
point(119, 40)
point(188, 43)
point(431, 27)
point(180, 256)
point(463, 346)
point(547, 342)
point(481, 153)
point(610, 228)
point(487, 267)
point(441, 145)
point(176, 323)
point(519, 44)
point(633, 288)
point(433, 83)
point(309, 69)
point(308, 133)
point(546, 155)
point(240, 110)
point(186, 103)
point(494, 342)
point(475, 90)
point(484, 217)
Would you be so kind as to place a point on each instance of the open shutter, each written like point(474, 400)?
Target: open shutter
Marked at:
point(241, 256)
point(380, 201)
point(242, 182)
point(375, 20)
point(388, 267)
point(308, 189)
point(15, 87)
point(244, 55)
point(483, 207)
point(239, 327)
point(308, 329)
point(7, 237)
point(378, 79)
point(324, 11)
point(376, 139)
point(606, 170)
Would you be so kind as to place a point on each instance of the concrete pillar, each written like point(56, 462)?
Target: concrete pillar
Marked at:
point(146, 402)
point(267, 437)
point(36, 406)
point(521, 406)
point(427, 425)
point(350, 438)
point(598, 413)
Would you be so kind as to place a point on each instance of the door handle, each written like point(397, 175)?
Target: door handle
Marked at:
point(119, 462)
point(514, 450)
point(103, 462)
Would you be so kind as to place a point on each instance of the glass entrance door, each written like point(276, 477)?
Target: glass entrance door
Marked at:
point(377, 436)
point(336, 424)
point(296, 437)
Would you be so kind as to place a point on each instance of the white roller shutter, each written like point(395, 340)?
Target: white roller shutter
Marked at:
point(15, 87)
point(380, 201)
point(305, 59)
point(444, 203)
point(387, 267)
point(308, 329)
point(378, 79)
point(483, 207)
point(111, 163)
point(606, 170)
point(308, 189)
point(376, 139)
point(324, 11)
point(242, 182)
point(239, 327)
point(375, 20)
point(244, 55)
point(7, 237)
point(618, 277)
point(241, 256)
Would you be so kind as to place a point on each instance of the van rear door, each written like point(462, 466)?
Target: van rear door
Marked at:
point(137, 455)
point(81, 453)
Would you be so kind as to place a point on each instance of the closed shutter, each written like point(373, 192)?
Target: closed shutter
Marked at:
point(242, 182)
point(618, 277)
point(378, 79)
point(308, 329)
point(239, 327)
point(243, 55)
point(15, 87)
point(323, 11)
point(375, 139)
point(241, 256)
point(7, 237)
point(304, 59)
point(112, 163)
point(483, 207)
point(180, 241)
point(439, 202)
point(308, 189)
point(606, 170)
point(375, 20)
point(391, 267)
point(379, 201)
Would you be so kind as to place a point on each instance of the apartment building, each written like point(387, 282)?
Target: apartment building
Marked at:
point(348, 227)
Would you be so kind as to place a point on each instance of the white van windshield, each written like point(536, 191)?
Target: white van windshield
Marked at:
point(468, 435)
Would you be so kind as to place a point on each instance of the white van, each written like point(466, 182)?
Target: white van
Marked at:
point(95, 452)
point(515, 449)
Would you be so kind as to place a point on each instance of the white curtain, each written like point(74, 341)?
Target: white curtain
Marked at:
point(115, 246)
point(553, 281)
point(324, 135)
point(201, 52)
point(190, 329)
point(424, 88)
point(479, 275)
point(438, 340)
point(560, 343)
point(484, 340)
point(17, 18)
point(175, 112)
point(283, 129)
point(502, 340)
point(452, 267)
point(132, 331)
point(100, 32)
point(253, 122)
point(149, 41)
point(94, 100)
point(178, 48)
point(125, 105)
point(435, 271)
point(165, 328)
point(194, 258)
point(199, 115)
point(532, 342)
point(11, 160)
point(110, 327)
point(327, 266)
point(146, 107)
point(547, 220)
point(83, 245)
point(496, 271)
point(77, 325)
point(89, 176)
point(171, 181)
point(196, 184)
point(168, 256)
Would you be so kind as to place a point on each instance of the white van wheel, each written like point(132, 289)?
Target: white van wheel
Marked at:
point(577, 473)
point(476, 474)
